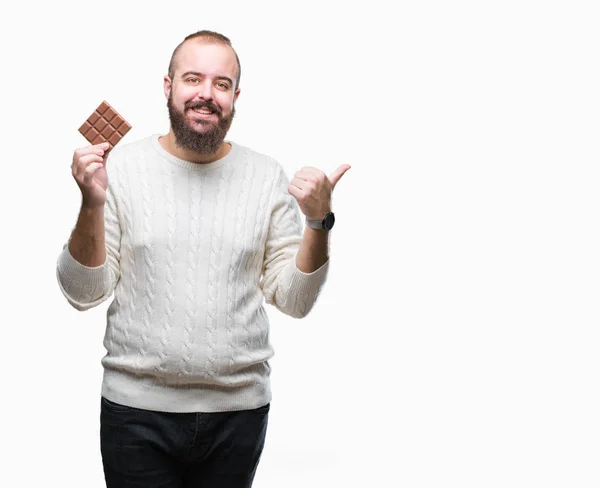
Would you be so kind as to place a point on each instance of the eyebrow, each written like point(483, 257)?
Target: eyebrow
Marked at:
point(196, 73)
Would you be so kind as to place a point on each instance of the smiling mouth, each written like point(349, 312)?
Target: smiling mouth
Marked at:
point(203, 111)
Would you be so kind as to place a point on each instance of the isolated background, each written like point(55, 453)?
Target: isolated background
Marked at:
point(456, 341)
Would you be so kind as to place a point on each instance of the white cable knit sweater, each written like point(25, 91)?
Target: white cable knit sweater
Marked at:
point(193, 251)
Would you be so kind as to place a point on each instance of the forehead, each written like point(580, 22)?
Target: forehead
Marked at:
point(207, 58)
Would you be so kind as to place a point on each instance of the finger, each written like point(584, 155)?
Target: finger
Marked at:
point(302, 175)
point(299, 183)
point(310, 174)
point(94, 149)
point(89, 172)
point(104, 146)
point(83, 162)
point(294, 191)
point(311, 169)
point(338, 173)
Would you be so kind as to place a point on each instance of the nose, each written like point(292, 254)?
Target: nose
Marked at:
point(205, 90)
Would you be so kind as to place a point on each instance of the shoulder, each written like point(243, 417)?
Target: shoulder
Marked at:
point(263, 174)
point(262, 166)
point(257, 158)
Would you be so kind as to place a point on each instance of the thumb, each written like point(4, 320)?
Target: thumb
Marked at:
point(338, 173)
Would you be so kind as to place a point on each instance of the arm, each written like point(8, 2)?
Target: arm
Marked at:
point(88, 269)
point(286, 287)
point(87, 244)
point(312, 190)
point(295, 267)
point(314, 250)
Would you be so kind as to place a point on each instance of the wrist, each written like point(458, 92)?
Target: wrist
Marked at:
point(319, 214)
point(91, 208)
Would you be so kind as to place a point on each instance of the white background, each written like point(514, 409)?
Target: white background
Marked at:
point(456, 341)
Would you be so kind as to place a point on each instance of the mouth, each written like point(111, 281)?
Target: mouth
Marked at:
point(203, 112)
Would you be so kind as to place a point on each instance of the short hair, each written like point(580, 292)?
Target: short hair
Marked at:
point(209, 36)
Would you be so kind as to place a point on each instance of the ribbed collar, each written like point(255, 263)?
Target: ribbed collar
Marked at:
point(167, 156)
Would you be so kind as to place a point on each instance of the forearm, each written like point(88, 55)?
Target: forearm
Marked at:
point(314, 250)
point(87, 244)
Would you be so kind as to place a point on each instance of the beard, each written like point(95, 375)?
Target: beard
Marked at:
point(206, 142)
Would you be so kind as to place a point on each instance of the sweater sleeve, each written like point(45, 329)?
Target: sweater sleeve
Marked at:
point(290, 290)
point(86, 287)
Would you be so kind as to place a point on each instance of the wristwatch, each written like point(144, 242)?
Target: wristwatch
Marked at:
point(325, 224)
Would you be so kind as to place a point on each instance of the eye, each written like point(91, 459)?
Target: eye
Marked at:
point(192, 80)
point(222, 85)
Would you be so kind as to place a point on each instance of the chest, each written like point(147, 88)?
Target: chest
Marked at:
point(166, 215)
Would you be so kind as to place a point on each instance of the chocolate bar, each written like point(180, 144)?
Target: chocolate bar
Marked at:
point(104, 125)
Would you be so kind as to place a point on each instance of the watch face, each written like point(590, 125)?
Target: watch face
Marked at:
point(328, 221)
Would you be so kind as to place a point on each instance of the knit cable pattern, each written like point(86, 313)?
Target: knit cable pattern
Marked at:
point(112, 225)
point(214, 263)
point(254, 266)
point(195, 185)
point(245, 321)
point(235, 263)
point(170, 278)
point(128, 256)
point(149, 259)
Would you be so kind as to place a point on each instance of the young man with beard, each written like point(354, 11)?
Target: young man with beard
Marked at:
point(192, 233)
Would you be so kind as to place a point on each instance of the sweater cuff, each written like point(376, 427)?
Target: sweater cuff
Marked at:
point(304, 284)
point(74, 271)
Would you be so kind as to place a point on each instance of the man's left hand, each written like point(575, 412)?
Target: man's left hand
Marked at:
point(312, 189)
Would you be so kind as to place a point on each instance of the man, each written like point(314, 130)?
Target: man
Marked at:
point(192, 232)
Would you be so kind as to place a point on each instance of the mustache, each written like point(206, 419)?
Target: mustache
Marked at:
point(208, 105)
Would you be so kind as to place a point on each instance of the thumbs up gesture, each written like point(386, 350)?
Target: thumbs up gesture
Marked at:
point(312, 189)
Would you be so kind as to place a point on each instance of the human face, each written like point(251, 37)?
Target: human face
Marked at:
point(202, 95)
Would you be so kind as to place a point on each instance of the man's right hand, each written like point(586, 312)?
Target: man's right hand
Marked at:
point(89, 171)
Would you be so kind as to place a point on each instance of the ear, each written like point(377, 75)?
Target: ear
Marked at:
point(167, 85)
point(236, 95)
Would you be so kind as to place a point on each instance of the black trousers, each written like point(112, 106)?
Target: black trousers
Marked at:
point(147, 449)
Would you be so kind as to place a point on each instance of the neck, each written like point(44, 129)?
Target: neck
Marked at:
point(168, 144)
